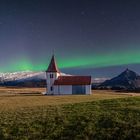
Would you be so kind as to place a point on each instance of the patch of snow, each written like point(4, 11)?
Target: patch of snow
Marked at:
point(99, 80)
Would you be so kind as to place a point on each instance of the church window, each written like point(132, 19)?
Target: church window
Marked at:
point(51, 75)
point(51, 88)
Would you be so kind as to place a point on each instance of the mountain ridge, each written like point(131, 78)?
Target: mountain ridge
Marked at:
point(23, 79)
point(127, 80)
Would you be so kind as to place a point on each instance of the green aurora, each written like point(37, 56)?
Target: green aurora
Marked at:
point(94, 61)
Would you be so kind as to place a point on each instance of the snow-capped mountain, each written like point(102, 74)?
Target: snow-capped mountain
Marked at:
point(23, 75)
point(23, 78)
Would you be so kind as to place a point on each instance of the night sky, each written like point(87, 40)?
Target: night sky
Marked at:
point(97, 37)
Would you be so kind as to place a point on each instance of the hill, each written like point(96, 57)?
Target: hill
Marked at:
point(127, 80)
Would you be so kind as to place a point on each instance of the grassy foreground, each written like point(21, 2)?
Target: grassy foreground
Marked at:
point(99, 116)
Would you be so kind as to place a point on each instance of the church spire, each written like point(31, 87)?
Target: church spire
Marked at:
point(53, 66)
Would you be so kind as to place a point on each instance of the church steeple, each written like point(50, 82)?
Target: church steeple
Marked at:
point(53, 66)
point(52, 74)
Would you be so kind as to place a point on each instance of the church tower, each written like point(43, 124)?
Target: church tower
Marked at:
point(52, 74)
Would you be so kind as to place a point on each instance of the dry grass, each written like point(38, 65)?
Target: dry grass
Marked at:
point(33, 116)
point(14, 98)
point(14, 91)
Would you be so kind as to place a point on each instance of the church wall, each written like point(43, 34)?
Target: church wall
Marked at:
point(62, 89)
point(50, 81)
point(67, 89)
point(88, 89)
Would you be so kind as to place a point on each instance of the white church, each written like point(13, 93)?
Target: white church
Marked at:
point(59, 84)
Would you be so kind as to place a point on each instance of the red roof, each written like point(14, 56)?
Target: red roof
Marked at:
point(73, 80)
point(53, 66)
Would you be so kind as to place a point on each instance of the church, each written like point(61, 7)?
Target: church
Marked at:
point(60, 84)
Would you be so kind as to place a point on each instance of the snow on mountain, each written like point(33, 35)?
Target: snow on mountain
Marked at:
point(5, 77)
point(99, 80)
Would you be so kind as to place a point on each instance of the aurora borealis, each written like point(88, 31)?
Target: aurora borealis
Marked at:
point(84, 34)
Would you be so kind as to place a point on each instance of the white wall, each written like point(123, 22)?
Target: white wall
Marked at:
point(67, 90)
point(50, 81)
point(62, 89)
point(88, 89)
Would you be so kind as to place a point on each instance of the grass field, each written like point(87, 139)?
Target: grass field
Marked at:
point(25, 114)
point(13, 98)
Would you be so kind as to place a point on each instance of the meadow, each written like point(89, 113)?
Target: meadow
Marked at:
point(25, 114)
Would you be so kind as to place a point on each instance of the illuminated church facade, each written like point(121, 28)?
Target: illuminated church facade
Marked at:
point(59, 84)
